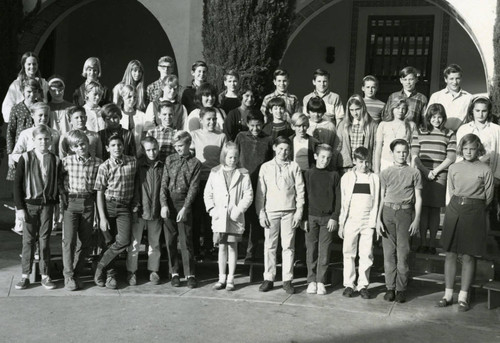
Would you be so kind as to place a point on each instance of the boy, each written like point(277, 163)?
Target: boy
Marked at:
point(324, 131)
point(279, 203)
point(115, 189)
point(373, 105)
point(281, 82)
point(164, 133)
point(79, 174)
point(417, 102)
point(199, 71)
point(93, 94)
point(78, 121)
point(303, 145)
point(170, 95)
point(179, 187)
point(358, 218)
point(334, 109)
point(278, 126)
point(255, 148)
point(35, 194)
point(229, 99)
point(112, 115)
point(401, 199)
point(146, 211)
point(453, 98)
point(166, 67)
point(323, 195)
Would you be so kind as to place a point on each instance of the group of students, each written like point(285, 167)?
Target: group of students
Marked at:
point(186, 168)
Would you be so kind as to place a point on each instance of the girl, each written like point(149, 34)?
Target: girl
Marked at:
point(58, 118)
point(15, 94)
point(357, 129)
point(236, 120)
point(229, 99)
point(91, 72)
point(206, 96)
point(133, 119)
point(133, 76)
point(433, 150)
point(199, 72)
point(20, 118)
point(93, 94)
point(227, 196)
point(395, 126)
point(470, 185)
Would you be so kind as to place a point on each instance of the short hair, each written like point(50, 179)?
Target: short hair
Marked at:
point(246, 87)
point(280, 72)
point(126, 90)
point(109, 110)
point(149, 139)
point(32, 83)
point(42, 130)
point(255, 114)
point(225, 149)
point(165, 104)
point(276, 101)
point(361, 153)
point(300, 119)
point(321, 72)
point(432, 110)
point(370, 78)
point(93, 85)
point(471, 138)
point(56, 81)
point(171, 79)
point(282, 140)
point(316, 104)
point(166, 59)
point(76, 109)
point(452, 68)
point(74, 137)
point(39, 106)
point(231, 72)
point(323, 147)
point(113, 137)
point(198, 64)
point(399, 141)
point(91, 62)
point(407, 71)
point(205, 89)
point(480, 99)
point(182, 136)
point(205, 110)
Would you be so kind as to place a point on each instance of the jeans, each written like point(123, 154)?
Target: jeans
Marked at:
point(396, 247)
point(281, 223)
point(38, 223)
point(78, 220)
point(154, 228)
point(318, 244)
point(254, 230)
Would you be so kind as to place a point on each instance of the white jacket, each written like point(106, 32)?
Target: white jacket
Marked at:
point(228, 205)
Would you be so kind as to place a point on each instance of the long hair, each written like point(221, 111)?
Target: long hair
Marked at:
point(481, 99)
point(366, 119)
point(22, 73)
point(139, 86)
point(432, 110)
point(396, 102)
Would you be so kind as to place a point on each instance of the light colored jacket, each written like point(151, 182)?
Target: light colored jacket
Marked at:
point(346, 187)
point(228, 206)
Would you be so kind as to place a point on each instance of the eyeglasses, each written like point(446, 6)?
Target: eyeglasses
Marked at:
point(164, 66)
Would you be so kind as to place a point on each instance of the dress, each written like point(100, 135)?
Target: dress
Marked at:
point(20, 119)
point(58, 118)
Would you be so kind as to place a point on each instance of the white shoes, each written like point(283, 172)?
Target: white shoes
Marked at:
point(312, 288)
point(321, 290)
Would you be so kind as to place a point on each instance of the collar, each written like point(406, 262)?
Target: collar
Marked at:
point(276, 93)
point(83, 159)
point(282, 164)
point(39, 155)
point(118, 161)
point(408, 94)
point(473, 125)
point(322, 96)
point(356, 122)
point(164, 129)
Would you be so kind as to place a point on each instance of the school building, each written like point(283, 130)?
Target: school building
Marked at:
point(349, 38)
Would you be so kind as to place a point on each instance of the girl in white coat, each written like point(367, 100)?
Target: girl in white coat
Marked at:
point(227, 196)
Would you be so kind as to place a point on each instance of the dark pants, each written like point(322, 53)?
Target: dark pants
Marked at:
point(120, 219)
point(38, 223)
point(255, 231)
point(396, 247)
point(181, 232)
point(78, 221)
point(318, 243)
point(202, 223)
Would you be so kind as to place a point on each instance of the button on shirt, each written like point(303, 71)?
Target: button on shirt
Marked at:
point(116, 178)
point(80, 174)
point(455, 104)
point(165, 137)
point(43, 160)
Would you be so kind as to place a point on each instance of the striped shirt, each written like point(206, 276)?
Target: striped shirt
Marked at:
point(116, 178)
point(417, 104)
point(291, 101)
point(374, 108)
point(80, 174)
point(165, 137)
point(432, 148)
point(334, 107)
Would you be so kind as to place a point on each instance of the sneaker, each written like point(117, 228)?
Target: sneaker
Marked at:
point(348, 292)
point(364, 293)
point(154, 278)
point(390, 295)
point(266, 286)
point(230, 286)
point(288, 287)
point(70, 284)
point(111, 282)
point(23, 283)
point(47, 283)
point(312, 288)
point(321, 289)
point(99, 278)
point(131, 279)
point(191, 282)
point(219, 285)
point(176, 281)
point(400, 297)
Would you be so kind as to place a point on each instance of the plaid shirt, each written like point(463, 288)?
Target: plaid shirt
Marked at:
point(155, 91)
point(116, 178)
point(181, 177)
point(165, 138)
point(291, 101)
point(357, 136)
point(417, 104)
point(80, 174)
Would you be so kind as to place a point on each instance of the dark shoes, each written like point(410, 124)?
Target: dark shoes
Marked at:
point(365, 294)
point(400, 297)
point(99, 278)
point(390, 295)
point(191, 282)
point(463, 306)
point(176, 281)
point(348, 292)
point(23, 283)
point(266, 286)
point(288, 287)
point(444, 303)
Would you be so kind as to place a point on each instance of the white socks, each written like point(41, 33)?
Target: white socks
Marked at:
point(462, 296)
point(222, 278)
point(448, 294)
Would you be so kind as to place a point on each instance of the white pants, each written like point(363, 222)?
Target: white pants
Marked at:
point(353, 230)
point(281, 222)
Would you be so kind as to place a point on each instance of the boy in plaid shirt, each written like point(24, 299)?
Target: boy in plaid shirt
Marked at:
point(115, 189)
point(78, 199)
point(164, 133)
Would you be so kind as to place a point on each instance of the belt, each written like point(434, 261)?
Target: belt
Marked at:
point(398, 206)
point(81, 195)
point(468, 201)
point(119, 201)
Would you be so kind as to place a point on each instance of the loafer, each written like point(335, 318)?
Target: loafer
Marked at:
point(432, 251)
point(191, 282)
point(444, 303)
point(230, 286)
point(176, 281)
point(132, 279)
point(70, 284)
point(154, 278)
point(219, 285)
point(390, 295)
point(111, 282)
point(321, 289)
point(99, 278)
point(365, 294)
point(312, 288)
point(348, 292)
point(23, 283)
point(400, 297)
point(266, 286)
point(48, 284)
point(288, 287)
point(463, 306)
